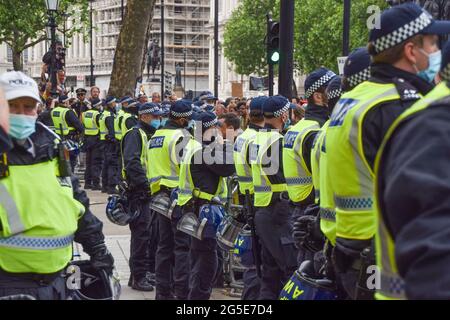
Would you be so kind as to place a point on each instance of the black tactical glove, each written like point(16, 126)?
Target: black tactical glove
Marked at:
point(307, 234)
point(101, 258)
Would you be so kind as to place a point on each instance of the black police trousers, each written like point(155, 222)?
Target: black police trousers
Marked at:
point(278, 253)
point(110, 171)
point(252, 285)
point(203, 259)
point(54, 289)
point(172, 261)
point(94, 160)
point(141, 261)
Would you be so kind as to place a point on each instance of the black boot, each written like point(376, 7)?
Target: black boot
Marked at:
point(142, 285)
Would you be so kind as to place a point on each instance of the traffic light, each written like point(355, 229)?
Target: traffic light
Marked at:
point(273, 42)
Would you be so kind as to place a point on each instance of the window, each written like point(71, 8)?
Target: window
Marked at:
point(9, 54)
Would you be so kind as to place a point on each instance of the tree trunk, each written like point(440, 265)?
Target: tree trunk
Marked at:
point(17, 60)
point(132, 43)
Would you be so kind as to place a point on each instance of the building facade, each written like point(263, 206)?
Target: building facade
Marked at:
point(228, 78)
point(186, 39)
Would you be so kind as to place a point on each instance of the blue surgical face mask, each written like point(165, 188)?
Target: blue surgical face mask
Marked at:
point(21, 126)
point(434, 65)
point(118, 107)
point(164, 121)
point(155, 123)
point(287, 124)
point(191, 124)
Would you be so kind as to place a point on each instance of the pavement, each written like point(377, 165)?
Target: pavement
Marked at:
point(118, 242)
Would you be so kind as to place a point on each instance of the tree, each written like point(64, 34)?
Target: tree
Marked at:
point(245, 33)
point(22, 23)
point(317, 38)
point(129, 59)
point(318, 34)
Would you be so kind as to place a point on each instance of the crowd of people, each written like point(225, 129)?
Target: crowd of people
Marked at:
point(354, 177)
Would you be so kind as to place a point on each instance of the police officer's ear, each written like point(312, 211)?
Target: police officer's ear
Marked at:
point(319, 98)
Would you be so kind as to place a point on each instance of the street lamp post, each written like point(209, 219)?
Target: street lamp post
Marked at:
point(92, 83)
point(52, 8)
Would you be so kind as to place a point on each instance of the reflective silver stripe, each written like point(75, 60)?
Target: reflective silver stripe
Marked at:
point(8, 203)
point(298, 181)
point(245, 179)
point(392, 286)
point(36, 243)
point(354, 203)
point(317, 193)
point(64, 181)
point(365, 174)
point(298, 154)
point(263, 188)
point(185, 191)
point(327, 214)
point(155, 179)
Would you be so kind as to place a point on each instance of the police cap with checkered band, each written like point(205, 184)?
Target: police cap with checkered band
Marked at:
point(402, 22)
point(316, 80)
point(357, 68)
point(276, 106)
point(181, 109)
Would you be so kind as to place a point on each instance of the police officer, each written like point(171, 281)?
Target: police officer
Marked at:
point(164, 155)
point(298, 143)
point(134, 158)
point(38, 229)
point(129, 118)
point(202, 179)
point(312, 236)
point(165, 107)
point(273, 214)
point(67, 125)
point(403, 50)
point(110, 147)
point(412, 225)
point(94, 152)
point(244, 173)
point(82, 105)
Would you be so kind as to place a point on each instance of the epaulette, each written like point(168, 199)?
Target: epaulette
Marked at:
point(406, 90)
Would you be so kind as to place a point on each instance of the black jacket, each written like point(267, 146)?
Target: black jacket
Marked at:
point(321, 115)
point(80, 107)
point(46, 117)
point(379, 119)
point(206, 177)
point(5, 141)
point(130, 122)
point(414, 189)
point(73, 121)
point(89, 232)
point(109, 122)
point(136, 175)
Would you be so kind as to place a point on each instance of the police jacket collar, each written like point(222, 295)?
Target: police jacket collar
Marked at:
point(270, 127)
point(255, 127)
point(318, 113)
point(172, 125)
point(148, 129)
point(386, 73)
point(39, 147)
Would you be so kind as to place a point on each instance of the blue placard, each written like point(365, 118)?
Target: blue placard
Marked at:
point(289, 139)
point(157, 142)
